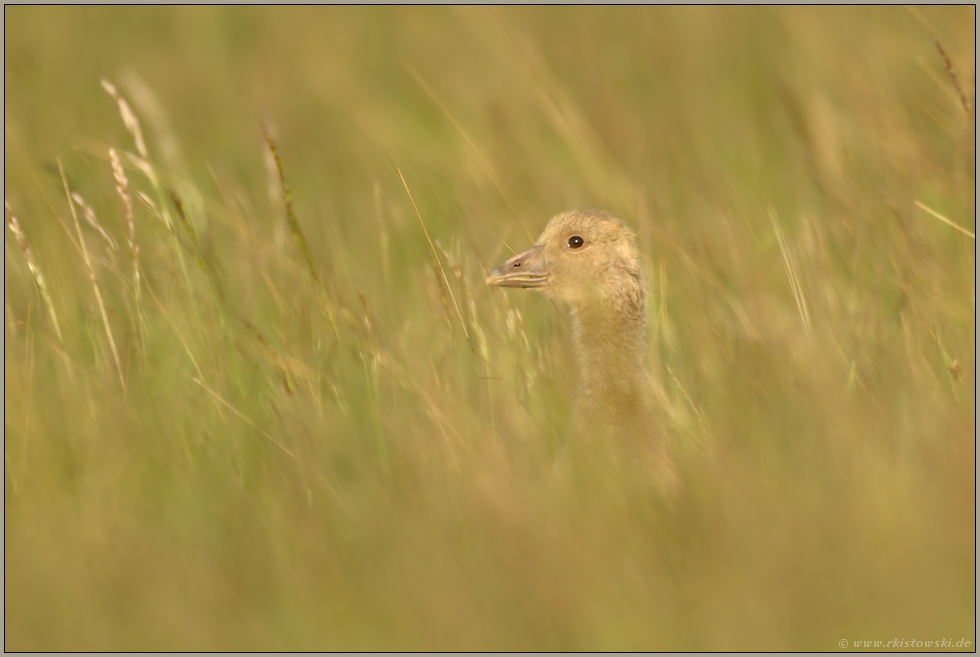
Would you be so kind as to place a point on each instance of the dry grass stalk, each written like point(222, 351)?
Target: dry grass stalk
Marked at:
point(290, 215)
point(794, 281)
point(91, 273)
point(128, 117)
point(326, 305)
point(287, 385)
point(435, 255)
point(491, 172)
point(25, 246)
point(245, 418)
point(952, 76)
point(943, 219)
point(122, 187)
point(182, 215)
point(458, 274)
point(142, 162)
point(149, 206)
point(93, 221)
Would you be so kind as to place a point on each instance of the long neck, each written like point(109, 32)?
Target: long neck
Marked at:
point(614, 396)
point(610, 340)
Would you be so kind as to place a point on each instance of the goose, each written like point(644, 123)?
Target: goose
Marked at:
point(588, 260)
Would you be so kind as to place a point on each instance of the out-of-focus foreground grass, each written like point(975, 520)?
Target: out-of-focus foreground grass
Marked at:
point(271, 438)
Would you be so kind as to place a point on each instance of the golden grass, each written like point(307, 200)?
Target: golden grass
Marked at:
point(309, 454)
point(35, 269)
point(91, 274)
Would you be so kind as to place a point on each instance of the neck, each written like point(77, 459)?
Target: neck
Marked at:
point(610, 340)
point(614, 403)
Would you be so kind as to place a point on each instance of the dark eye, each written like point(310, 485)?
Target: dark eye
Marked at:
point(575, 242)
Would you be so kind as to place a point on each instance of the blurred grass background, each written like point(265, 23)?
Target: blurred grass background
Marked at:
point(286, 457)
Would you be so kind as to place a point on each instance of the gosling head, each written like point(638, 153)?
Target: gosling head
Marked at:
point(582, 257)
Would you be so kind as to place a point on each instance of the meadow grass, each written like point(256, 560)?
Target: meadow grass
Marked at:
point(257, 395)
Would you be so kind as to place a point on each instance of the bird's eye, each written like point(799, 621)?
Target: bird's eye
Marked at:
point(575, 242)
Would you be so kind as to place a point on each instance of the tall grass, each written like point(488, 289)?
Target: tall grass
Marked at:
point(294, 417)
